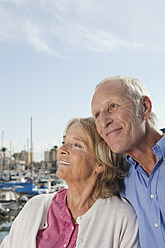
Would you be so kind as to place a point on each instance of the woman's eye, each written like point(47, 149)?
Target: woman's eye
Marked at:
point(77, 145)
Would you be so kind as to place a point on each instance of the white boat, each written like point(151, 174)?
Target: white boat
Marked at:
point(46, 186)
point(9, 199)
point(4, 212)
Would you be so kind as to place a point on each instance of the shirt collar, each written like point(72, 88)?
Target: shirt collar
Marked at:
point(60, 205)
point(159, 150)
point(131, 161)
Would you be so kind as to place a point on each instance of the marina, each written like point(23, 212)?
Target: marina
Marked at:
point(21, 179)
point(14, 194)
point(6, 222)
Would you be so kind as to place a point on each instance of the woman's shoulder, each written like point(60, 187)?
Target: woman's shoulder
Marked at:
point(44, 199)
point(39, 200)
point(41, 197)
point(120, 205)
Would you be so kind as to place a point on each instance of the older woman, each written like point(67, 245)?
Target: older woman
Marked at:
point(87, 214)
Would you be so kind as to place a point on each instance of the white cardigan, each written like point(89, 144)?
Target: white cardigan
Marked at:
point(109, 223)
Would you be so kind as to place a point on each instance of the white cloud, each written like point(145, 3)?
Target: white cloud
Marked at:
point(35, 36)
point(94, 40)
point(52, 26)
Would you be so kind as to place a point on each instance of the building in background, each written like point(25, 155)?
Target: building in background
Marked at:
point(50, 159)
point(21, 160)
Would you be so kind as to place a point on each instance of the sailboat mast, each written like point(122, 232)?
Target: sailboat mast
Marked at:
point(2, 139)
point(31, 149)
point(2, 160)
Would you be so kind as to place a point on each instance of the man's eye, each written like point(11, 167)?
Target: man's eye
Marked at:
point(97, 115)
point(112, 107)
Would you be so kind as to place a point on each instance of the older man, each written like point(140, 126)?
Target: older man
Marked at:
point(123, 113)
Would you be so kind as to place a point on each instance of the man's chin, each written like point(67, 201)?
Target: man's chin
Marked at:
point(116, 148)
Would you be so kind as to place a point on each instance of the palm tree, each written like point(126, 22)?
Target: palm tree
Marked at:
point(3, 150)
point(55, 148)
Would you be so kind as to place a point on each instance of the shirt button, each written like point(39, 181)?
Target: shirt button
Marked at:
point(79, 219)
point(72, 227)
point(64, 245)
point(156, 225)
point(152, 196)
point(80, 241)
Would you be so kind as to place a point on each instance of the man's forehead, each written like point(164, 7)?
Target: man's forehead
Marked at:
point(108, 92)
point(107, 89)
point(109, 84)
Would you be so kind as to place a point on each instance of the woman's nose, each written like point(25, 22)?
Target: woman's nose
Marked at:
point(64, 149)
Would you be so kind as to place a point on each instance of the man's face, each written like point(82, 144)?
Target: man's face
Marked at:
point(115, 118)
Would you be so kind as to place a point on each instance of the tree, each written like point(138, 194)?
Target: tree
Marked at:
point(3, 150)
point(55, 148)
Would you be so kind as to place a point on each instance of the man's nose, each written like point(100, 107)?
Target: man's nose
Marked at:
point(105, 119)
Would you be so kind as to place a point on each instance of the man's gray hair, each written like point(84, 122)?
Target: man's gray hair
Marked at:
point(135, 90)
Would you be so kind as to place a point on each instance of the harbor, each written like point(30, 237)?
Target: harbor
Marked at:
point(21, 178)
point(14, 193)
point(5, 223)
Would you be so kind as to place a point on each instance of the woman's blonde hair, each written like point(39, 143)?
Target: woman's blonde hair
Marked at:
point(109, 181)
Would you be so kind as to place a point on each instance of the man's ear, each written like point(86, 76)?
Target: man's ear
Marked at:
point(147, 107)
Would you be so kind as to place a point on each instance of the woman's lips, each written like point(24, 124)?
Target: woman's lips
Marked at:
point(64, 163)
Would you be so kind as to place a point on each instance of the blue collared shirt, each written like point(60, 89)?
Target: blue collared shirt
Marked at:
point(147, 195)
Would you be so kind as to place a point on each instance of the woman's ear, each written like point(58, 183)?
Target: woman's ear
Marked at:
point(147, 107)
point(99, 168)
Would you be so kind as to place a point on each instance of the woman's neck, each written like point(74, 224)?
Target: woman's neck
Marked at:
point(80, 200)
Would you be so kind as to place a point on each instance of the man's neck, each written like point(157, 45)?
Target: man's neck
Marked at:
point(143, 153)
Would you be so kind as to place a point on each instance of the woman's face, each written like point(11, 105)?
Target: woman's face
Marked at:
point(75, 156)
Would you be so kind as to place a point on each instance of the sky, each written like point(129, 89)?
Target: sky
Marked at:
point(54, 52)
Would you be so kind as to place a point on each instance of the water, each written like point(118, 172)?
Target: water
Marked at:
point(5, 224)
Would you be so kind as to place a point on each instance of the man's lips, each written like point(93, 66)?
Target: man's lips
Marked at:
point(112, 131)
point(64, 163)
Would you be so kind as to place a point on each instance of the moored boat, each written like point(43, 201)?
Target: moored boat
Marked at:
point(9, 199)
point(4, 212)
